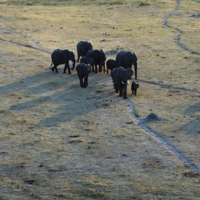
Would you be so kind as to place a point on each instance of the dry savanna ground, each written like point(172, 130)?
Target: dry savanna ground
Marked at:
point(59, 141)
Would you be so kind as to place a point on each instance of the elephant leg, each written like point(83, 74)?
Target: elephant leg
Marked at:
point(104, 69)
point(96, 69)
point(116, 88)
point(78, 57)
point(124, 91)
point(92, 68)
point(107, 70)
point(81, 80)
point(56, 69)
point(86, 81)
point(67, 67)
point(120, 91)
point(53, 68)
point(64, 71)
point(100, 68)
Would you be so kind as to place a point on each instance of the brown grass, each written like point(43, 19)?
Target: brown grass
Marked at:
point(59, 141)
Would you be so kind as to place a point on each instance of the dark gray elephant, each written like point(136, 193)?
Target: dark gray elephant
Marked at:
point(83, 71)
point(111, 64)
point(126, 59)
point(129, 72)
point(134, 87)
point(62, 57)
point(87, 60)
point(99, 58)
point(120, 77)
point(82, 48)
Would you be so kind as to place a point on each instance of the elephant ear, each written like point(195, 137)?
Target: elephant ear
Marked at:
point(129, 72)
point(134, 54)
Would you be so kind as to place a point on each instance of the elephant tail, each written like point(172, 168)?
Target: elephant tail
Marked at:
point(51, 65)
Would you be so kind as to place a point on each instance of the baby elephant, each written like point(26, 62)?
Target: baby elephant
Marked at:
point(134, 87)
point(111, 64)
point(83, 71)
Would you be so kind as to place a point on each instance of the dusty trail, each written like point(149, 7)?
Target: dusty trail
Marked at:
point(155, 135)
point(178, 37)
point(38, 46)
point(165, 143)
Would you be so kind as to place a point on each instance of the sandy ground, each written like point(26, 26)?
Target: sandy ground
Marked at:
point(59, 141)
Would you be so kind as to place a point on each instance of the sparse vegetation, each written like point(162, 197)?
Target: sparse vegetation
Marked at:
point(59, 141)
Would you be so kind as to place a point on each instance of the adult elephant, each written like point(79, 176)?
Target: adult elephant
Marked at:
point(62, 57)
point(98, 57)
point(82, 48)
point(120, 78)
point(83, 71)
point(126, 59)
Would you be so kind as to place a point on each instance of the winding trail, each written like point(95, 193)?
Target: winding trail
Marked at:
point(178, 37)
point(165, 143)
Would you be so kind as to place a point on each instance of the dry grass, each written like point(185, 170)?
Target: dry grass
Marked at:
point(59, 141)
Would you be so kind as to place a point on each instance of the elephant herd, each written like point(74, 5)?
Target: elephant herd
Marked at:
point(95, 60)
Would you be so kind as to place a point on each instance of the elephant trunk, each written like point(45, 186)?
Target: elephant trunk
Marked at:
point(136, 67)
point(73, 66)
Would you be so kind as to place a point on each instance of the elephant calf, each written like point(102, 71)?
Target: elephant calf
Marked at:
point(134, 87)
point(87, 60)
point(111, 64)
point(83, 71)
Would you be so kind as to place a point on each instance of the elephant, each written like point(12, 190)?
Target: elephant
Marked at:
point(111, 64)
point(62, 57)
point(83, 71)
point(129, 72)
point(87, 60)
point(120, 77)
point(134, 87)
point(82, 48)
point(99, 58)
point(126, 59)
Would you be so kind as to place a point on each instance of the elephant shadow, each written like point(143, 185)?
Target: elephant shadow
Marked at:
point(61, 93)
point(193, 126)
